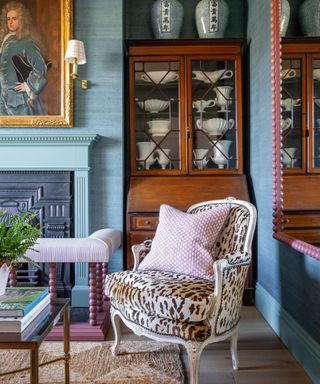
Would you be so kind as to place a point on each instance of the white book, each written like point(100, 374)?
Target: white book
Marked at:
point(18, 324)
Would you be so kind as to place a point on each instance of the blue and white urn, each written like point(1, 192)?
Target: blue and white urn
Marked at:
point(285, 16)
point(212, 18)
point(309, 17)
point(166, 19)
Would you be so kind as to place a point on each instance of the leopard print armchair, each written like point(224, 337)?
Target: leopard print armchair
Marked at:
point(183, 309)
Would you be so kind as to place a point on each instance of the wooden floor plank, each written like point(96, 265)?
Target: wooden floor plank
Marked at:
point(263, 358)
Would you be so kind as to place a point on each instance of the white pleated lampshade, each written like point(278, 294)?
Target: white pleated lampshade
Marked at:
point(75, 50)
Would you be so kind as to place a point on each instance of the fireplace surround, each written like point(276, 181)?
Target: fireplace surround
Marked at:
point(57, 153)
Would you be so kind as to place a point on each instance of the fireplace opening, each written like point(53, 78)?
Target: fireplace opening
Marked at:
point(48, 194)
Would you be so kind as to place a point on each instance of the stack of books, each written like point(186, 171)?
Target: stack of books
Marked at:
point(21, 305)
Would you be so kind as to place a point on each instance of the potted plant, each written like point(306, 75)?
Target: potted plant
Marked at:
point(17, 234)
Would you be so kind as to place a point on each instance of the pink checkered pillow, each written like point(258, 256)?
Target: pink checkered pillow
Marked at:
point(184, 242)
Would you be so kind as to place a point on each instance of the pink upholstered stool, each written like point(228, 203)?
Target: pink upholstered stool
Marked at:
point(95, 250)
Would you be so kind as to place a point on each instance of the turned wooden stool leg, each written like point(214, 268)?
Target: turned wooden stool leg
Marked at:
point(104, 274)
point(92, 294)
point(13, 278)
point(99, 287)
point(53, 280)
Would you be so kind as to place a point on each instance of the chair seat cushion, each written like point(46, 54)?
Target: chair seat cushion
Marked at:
point(168, 295)
point(187, 331)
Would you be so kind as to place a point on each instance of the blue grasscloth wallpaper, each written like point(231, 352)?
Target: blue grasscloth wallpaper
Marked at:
point(291, 278)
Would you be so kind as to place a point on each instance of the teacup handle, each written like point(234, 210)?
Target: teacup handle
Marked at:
point(211, 103)
point(290, 73)
point(199, 124)
point(231, 123)
point(227, 74)
point(297, 103)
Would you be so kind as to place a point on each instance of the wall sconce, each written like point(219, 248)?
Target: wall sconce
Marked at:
point(76, 55)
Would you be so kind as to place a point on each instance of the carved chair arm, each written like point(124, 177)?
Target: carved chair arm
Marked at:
point(139, 252)
point(229, 279)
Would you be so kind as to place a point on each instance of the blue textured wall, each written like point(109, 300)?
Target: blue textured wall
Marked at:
point(291, 278)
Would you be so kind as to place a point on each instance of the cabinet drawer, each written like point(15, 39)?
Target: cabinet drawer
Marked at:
point(302, 220)
point(139, 222)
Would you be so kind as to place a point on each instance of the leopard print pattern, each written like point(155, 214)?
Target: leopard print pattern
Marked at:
point(198, 331)
point(231, 238)
point(231, 299)
point(166, 294)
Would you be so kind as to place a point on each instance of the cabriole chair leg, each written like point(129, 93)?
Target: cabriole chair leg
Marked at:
point(234, 350)
point(194, 352)
point(115, 321)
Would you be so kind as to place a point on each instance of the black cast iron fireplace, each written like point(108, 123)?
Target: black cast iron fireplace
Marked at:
point(49, 194)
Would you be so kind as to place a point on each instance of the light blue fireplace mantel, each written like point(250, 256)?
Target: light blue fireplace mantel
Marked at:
point(41, 152)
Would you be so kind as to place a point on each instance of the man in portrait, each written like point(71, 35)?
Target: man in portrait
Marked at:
point(23, 70)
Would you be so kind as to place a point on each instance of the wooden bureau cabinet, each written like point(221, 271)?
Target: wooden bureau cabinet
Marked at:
point(300, 127)
point(184, 128)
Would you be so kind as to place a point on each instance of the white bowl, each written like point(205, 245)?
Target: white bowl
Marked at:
point(159, 76)
point(153, 105)
point(215, 126)
point(158, 127)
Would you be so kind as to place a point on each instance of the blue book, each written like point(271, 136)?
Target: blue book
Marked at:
point(19, 301)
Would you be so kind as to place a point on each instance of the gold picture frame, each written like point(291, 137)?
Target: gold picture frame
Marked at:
point(49, 99)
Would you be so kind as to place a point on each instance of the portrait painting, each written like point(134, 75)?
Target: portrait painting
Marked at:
point(35, 86)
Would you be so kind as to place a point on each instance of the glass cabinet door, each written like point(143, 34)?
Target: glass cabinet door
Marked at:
point(292, 106)
point(214, 99)
point(156, 144)
point(315, 115)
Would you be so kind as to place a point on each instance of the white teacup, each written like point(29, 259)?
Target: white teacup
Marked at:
point(285, 123)
point(163, 157)
point(153, 105)
point(288, 157)
point(212, 77)
point(201, 105)
point(145, 155)
point(158, 127)
point(200, 160)
point(288, 104)
point(215, 126)
point(288, 73)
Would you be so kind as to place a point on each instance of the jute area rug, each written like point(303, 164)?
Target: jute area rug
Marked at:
point(138, 362)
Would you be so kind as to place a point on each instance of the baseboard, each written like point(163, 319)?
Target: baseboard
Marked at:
point(303, 347)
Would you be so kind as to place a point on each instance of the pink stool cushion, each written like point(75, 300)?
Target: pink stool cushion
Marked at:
point(97, 248)
point(184, 242)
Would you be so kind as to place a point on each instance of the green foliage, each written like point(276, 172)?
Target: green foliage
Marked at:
point(17, 234)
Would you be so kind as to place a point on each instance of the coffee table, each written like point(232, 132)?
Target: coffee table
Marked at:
point(31, 340)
